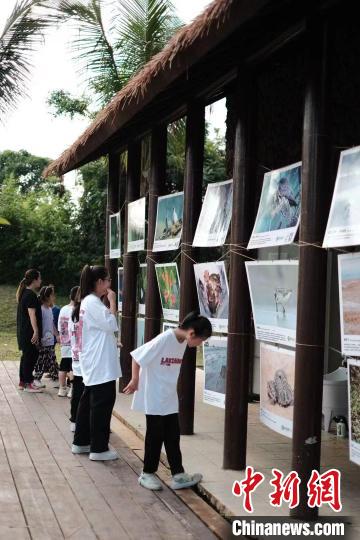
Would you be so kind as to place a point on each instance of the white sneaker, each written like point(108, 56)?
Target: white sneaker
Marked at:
point(72, 426)
point(80, 449)
point(32, 389)
point(69, 392)
point(150, 481)
point(38, 384)
point(185, 480)
point(62, 391)
point(109, 455)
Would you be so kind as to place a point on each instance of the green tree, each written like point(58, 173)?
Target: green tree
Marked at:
point(22, 33)
point(27, 170)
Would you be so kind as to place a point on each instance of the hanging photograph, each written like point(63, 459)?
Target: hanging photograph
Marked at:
point(119, 335)
point(120, 287)
point(354, 409)
point(167, 325)
point(114, 236)
point(169, 221)
point(278, 216)
point(141, 285)
point(273, 291)
point(140, 332)
point(343, 227)
point(215, 216)
point(213, 293)
point(277, 376)
point(349, 296)
point(169, 289)
point(136, 225)
point(215, 359)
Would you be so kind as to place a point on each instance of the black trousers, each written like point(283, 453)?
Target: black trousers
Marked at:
point(78, 389)
point(94, 416)
point(159, 430)
point(28, 360)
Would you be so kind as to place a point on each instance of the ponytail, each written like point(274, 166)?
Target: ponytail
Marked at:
point(201, 325)
point(30, 276)
point(89, 276)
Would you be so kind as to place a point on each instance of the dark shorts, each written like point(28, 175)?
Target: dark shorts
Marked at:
point(66, 364)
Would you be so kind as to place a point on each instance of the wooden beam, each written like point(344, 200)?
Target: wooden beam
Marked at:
point(112, 206)
point(130, 263)
point(156, 187)
point(310, 331)
point(239, 338)
point(195, 138)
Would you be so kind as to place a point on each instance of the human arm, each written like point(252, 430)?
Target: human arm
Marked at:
point(33, 321)
point(111, 296)
point(134, 383)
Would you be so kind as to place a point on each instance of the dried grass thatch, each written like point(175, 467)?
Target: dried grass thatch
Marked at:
point(183, 50)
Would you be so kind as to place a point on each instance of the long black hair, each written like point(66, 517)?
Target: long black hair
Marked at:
point(201, 325)
point(89, 276)
point(30, 276)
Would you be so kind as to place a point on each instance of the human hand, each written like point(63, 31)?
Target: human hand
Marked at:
point(131, 387)
point(111, 295)
point(35, 338)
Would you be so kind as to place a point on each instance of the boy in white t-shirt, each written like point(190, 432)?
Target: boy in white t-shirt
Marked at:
point(155, 371)
point(65, 345)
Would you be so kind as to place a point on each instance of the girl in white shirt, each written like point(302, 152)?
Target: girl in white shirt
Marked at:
point(155, 371)
point(65, 368)
point(99, 364)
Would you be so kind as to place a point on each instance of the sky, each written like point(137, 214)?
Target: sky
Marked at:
point(31, 126)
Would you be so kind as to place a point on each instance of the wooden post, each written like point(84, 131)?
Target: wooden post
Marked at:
point(156, 188)
point(130, 262)
point(112, 206)
point(195, 136)
point(310, 331)
point(239, 339)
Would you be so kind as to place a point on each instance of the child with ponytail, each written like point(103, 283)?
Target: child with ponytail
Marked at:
point(99, 363)
point(155, 371)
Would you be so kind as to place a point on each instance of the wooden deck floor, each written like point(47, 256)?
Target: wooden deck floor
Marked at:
point(47, 493)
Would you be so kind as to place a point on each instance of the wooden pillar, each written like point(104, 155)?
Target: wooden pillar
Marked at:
point(156, 187)
point(195, 136)
point(130, 263)
point(310, 331)
point(239, 339)
point(112, 206)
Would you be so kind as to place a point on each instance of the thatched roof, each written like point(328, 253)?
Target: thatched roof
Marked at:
point(186, 47)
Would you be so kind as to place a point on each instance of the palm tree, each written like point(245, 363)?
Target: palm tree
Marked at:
point(22, 32)
point(113, 45)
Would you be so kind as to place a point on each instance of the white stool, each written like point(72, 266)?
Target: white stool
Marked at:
point(335, 398)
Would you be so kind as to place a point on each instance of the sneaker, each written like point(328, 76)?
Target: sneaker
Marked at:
point(38, 384)
point(109, 455)
point(30, 387)
point(150, 481)
point(69, 392)
point(72, 426)
point(185, 480)
point(76, 449)
point(47, 376)
point(62, 391)
point(21, 385)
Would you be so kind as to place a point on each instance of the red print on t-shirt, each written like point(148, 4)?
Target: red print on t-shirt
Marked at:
point(170, 361)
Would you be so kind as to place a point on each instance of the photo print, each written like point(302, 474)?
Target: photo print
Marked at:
point(215, 216)
point(167, 325)
point(273, 290)
point(353, 366)
point(169, 289)
point(120, 287)
point(140, 332)
point(343, 227)
point(215, 361)
point(278, 216)
point(141, 286)
point(114, 236)
point(136, 225)
point(277, 376)
point(349, 297)
point(169, 221)
point(213, 293)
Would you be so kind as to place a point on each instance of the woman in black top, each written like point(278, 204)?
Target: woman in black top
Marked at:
point(28, 327)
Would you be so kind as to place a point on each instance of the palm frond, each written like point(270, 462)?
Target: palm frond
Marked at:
point(22, 33)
